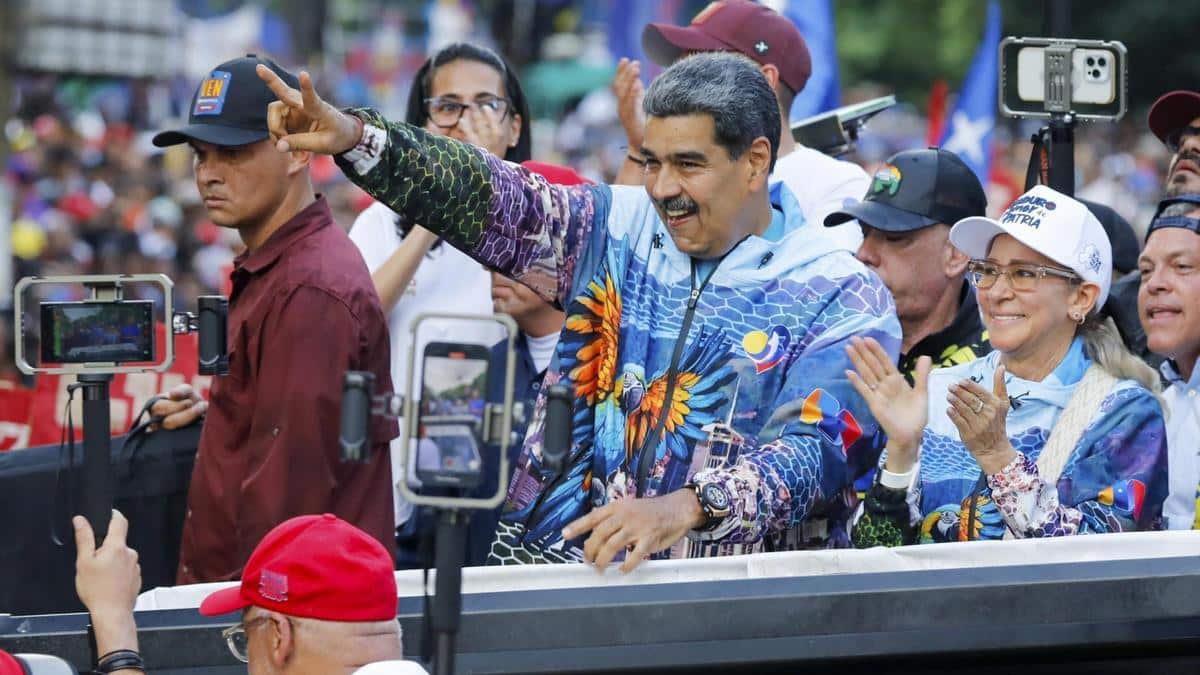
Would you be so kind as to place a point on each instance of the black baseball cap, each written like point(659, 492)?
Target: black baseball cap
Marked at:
point(916, 189)
point(230, 105)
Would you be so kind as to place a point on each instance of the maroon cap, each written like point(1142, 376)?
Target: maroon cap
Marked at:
point(319, 567)
point(1173, 110)
point(740, 26)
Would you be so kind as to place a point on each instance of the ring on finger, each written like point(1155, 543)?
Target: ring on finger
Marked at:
point(979, 407)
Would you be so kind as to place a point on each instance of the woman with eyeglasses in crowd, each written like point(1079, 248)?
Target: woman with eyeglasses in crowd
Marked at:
point(1057, 432)
point(469, 93)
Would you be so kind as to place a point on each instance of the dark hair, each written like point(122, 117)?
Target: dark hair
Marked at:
point(729, 88)
point(417, 115)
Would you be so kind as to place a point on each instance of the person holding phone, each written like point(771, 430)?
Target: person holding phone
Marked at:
point(703, 289)
point(1057, 432)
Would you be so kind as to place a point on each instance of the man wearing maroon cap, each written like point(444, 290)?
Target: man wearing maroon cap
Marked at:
point(318, 596)
point(821, 184)
point(1175, 120)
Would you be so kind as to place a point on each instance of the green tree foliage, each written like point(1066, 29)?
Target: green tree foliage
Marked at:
point(907, 44)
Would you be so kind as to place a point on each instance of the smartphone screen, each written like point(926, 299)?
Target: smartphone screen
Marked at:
point(97, 332)
point(453, 397)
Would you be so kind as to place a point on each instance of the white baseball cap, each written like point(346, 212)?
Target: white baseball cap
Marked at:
point(1052, 224)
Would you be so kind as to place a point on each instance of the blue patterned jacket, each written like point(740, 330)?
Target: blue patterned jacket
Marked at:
point(759, 347)
point(1114, 480)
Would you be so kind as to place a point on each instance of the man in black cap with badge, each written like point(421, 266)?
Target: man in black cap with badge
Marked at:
point(302, 312)
point(906, 217)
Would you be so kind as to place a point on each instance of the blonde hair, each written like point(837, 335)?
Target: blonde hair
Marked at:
point(1104, 345)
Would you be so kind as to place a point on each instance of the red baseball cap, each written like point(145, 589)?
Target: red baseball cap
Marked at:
point(319, 567)
point(1173, 110)
point(735, 25)
point(9, 665)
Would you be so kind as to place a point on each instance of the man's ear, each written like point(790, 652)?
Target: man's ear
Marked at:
point(298, 161)
point(282, 638)
point(954, 261)
point(772, 74)
point(759, 157)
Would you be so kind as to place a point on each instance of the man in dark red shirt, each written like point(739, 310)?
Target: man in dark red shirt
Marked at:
point(302, 312)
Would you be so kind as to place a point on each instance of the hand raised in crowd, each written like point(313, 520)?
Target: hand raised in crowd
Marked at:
point(900, 408)
point(180, 407)
point(642, 527)
point(628, 88)
point(301, 121)
point(107, 580)
point(982, 420)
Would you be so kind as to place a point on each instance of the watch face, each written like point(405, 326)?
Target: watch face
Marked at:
point(716, 497)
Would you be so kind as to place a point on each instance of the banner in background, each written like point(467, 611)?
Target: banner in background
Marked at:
point(30, 418)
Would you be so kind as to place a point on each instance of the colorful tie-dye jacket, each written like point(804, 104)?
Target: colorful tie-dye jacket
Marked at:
point(768, 331)
point(1115, 479)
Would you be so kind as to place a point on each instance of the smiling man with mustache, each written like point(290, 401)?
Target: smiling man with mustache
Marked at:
point(700, 308)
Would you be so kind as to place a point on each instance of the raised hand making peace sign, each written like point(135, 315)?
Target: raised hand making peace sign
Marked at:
point(303, 121)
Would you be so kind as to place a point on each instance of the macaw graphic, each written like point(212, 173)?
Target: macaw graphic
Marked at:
point(766, 350)
point(702, 373)
point(1126, 496)
point(940, 525)
point(557, 505)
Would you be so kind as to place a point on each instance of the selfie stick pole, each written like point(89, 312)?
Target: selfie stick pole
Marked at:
point(1061, 170)
point(97, 497)
point(445, 615)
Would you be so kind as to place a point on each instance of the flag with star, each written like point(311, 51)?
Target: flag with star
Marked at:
point(969, 129)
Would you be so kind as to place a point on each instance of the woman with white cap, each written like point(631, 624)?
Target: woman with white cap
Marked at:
point(1057, 432)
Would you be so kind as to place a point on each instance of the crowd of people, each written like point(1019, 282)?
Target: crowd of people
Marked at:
point(897, 358)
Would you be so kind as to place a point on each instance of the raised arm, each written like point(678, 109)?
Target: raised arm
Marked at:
point(504, 216)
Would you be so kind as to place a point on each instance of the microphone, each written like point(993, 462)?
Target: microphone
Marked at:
point(357, 389)
point(556, 438)
point(213, 312)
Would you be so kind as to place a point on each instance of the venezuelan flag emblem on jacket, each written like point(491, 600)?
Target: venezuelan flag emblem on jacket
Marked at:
point(1126, 496)
point(834, 422)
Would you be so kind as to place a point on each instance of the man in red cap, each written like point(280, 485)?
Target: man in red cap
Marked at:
point(1175, 120)
point(318, 596)
point(821, 184)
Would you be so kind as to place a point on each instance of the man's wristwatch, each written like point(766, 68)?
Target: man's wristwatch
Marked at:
point(715, 503)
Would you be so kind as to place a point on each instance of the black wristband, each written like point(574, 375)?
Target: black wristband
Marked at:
point(92, 650)
point(635, 160)
point(120, 659)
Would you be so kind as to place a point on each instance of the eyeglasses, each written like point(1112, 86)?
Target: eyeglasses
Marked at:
point(235, 637)
point(1177, 137)
point(446, 112)
point(1021, 276)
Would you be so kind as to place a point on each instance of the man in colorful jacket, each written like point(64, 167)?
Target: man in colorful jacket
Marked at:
point(706, 321)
